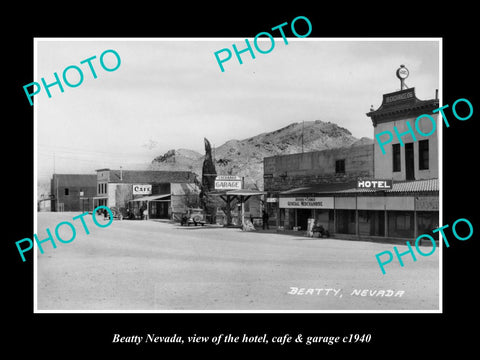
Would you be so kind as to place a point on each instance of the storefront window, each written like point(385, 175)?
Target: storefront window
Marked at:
point(345, 221)
point(426, 222)
point(282, 217)
point(400, 224)
point(371, 222)
point(324, 218)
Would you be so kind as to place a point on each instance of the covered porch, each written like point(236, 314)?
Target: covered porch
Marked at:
point(241, 197)
point(157, 206)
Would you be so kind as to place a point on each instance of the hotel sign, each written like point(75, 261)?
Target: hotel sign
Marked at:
point(228, 182)
point(376, 184)
point(139, 189)
point(306, 203)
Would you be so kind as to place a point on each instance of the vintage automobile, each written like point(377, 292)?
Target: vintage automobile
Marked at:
point(120, 213)
point(195, 216)
point(320, 231)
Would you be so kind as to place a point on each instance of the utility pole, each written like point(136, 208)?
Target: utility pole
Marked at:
point(303, 125)
point(55, 185)
point(243, 204)
point(56, 196)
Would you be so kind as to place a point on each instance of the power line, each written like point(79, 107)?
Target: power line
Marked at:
point(83, 150)
point(77, 159)
point(99, 160)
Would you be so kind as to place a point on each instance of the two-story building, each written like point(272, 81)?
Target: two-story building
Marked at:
point(294, 183)
point(311, 185)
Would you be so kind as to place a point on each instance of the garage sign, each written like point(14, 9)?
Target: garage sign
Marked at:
point(228, 182)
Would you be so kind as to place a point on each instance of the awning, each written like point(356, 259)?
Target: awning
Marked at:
point(152, 197)
point(320, 188)
point(415, 186)
point(240, 195)
point(245, 192)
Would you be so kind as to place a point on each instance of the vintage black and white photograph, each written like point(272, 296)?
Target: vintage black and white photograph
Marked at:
point(209, 175)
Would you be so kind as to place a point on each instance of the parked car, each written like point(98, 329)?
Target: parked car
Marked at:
point(117, 213)
point(195, 216)
point(320, 231)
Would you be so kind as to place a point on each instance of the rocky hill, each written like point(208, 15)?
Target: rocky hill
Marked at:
point(245, 157)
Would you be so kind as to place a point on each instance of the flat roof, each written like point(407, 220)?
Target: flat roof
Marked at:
point(321, 188)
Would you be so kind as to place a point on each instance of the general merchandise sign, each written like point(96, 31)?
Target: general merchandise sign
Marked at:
point(306, 203)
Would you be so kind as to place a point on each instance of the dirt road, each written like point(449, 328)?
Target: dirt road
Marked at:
point(153, 265)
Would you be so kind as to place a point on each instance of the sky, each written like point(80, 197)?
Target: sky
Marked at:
point(170, 93)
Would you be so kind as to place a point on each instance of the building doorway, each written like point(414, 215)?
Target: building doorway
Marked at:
point(302, 218)
point(400, 224)
point(85, 204)
point(346, 221)
point(371, 222)
point(409, 162)
point(158, 209)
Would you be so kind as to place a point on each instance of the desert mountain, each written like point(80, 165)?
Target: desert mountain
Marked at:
point(245, 157)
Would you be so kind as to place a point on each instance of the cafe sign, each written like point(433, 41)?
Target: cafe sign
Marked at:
point(306, 202)
point(139, 189)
